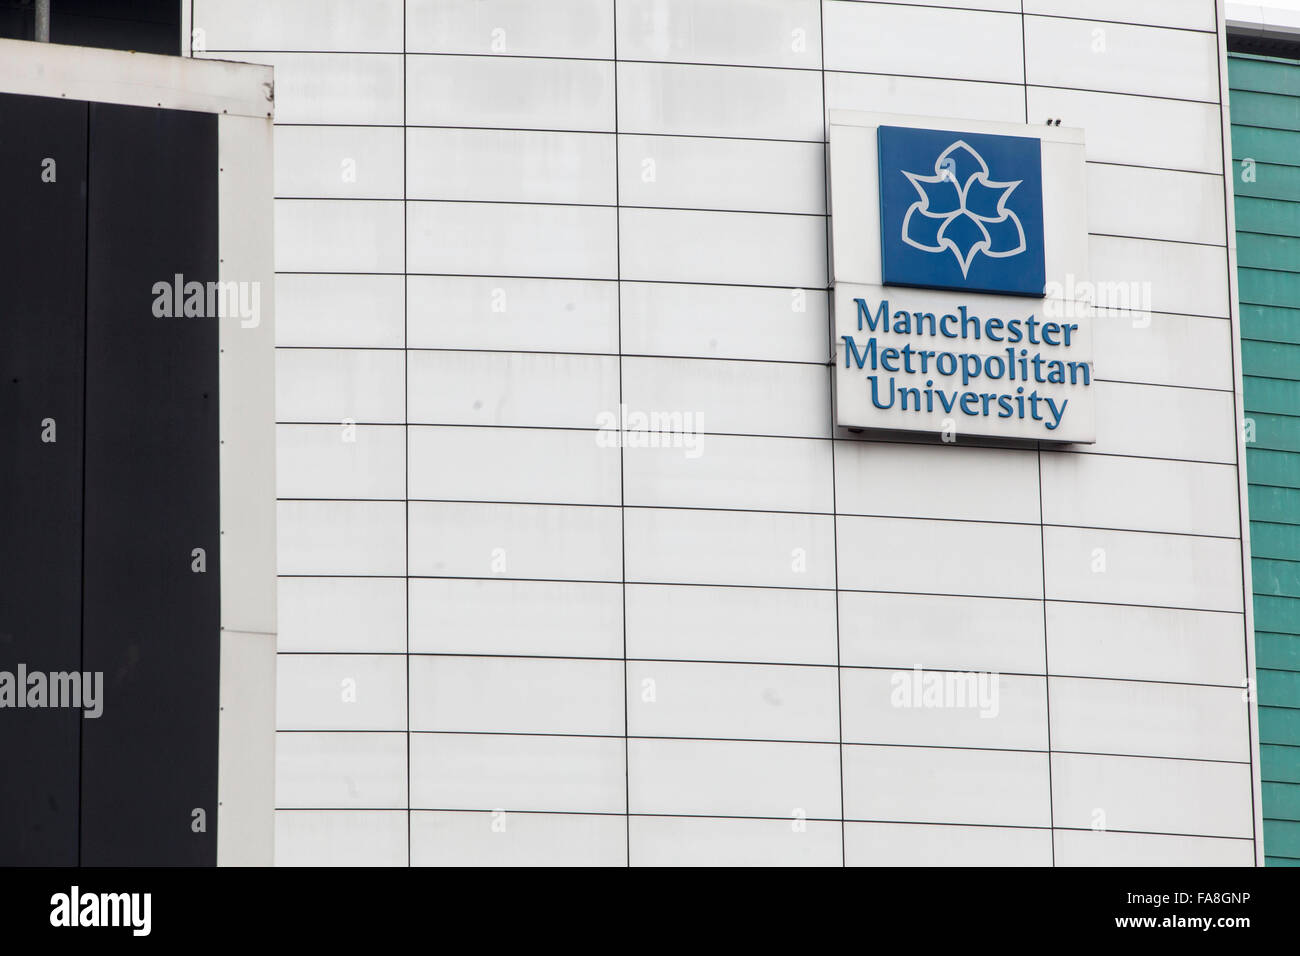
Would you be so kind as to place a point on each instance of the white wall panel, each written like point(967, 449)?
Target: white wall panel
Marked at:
point(734, 778)
point(719, 101)
point(742, 175)
point(530, 618)
point(886, 38)
point(723, 471)
point(1147, 793)
point(1141, 131)
point(339, 385)
point(509, 93)
point(1136, 643)
point(341, 162)
point(937, 785)
point(336, 461)
point(1157, 494)
point(962, 557)
point(341, 537)
point(920, 844)
point(327, 770)
point(339, 310)
point(995, 711)
point(925, 96)
point(1148, 421)
point(1121, 198)
point(1101, 848)
point(509, 314)
point(340, 838)
point(1151, 719)
point(1166, 570)
point(665, 545)
point(515, 541)
point(361, 89)
point(936, 481)
point(933, 631)
point(766, 625)
point(1086, 55)
point(509, 772)
point(998, 6)
point(1162, 349)
point(319, 235)
point(341, 692)
point(371, 27)
point(1181, 277)
point(334, 614)
point(687, 841)
point(1188, 14)
point(727, 247)
point(569, 28)
point(737, 32)
point(735, 701)
point(499, 165)
point(665, 318)
point(516, 695)
point(564, 242)
point(756, 398)
point(550, 465)
point(517, 839)
point(483, 388)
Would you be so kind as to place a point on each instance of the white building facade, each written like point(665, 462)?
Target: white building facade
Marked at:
point(576, 566)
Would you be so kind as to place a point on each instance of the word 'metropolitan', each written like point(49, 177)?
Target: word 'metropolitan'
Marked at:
point(1014, 363)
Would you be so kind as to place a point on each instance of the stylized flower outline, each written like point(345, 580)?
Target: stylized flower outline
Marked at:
point(954, 210)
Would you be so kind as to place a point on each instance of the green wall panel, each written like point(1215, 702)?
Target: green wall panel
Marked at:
point(1270, 324)
point(1268, 286)
point(1277, 650)
point(1272, 110)
point(1271, 359)
point(1279, 763)
point(1269, 539)
point(1274, 504)
point(1279, 684)
point(1266, 467)
point(1271, 181)
point(1261, 251)
point(1279, 725)
point(1274, 395)
point(1261, 74)
point(1268, 216)
point(1265, 106)
point(1276, 432)
point(1275, 615)
point(1285, 797)
point(1282, 837)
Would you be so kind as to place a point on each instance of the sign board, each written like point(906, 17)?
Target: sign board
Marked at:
point(960, 270)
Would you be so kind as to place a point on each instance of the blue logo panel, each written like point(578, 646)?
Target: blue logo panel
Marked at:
point(961, 210)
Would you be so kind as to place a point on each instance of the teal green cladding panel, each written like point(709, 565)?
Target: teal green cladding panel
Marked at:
point(1265, 105)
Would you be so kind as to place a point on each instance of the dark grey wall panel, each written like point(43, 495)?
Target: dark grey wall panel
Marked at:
point(146, 26)
point(152, 625)
point(42, 329)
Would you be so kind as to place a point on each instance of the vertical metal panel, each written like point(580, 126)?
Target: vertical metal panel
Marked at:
point(152, 626)
point(246, 760)
point(42, 329)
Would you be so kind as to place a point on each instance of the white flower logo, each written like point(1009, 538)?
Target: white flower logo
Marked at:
point(962, 210)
